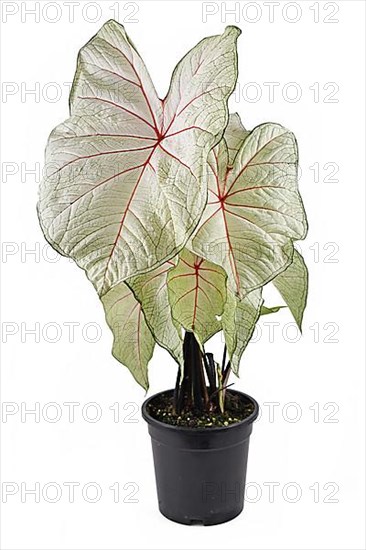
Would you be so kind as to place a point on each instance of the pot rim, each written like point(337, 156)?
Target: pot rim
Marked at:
point(154, 422)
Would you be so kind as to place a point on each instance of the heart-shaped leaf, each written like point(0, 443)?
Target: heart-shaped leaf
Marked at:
point(133, 343)
point(151, 290)
point(197, 294)
point(254, 211)
point(126, 177)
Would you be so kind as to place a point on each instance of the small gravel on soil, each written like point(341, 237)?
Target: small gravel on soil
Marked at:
point(236, 410)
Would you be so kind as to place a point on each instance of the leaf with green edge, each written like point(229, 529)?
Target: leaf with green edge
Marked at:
point(133, 342)
point(254, 211)
point(292, 284)
point(125, 184)
point(238, 322)
point(197, 294)
point(151, 291)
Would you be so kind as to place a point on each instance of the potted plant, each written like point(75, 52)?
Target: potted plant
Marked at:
point(179, 217)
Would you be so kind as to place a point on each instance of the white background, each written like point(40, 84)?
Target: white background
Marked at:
point(318, 440)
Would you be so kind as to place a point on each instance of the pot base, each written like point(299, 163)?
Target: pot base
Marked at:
point(211, 520)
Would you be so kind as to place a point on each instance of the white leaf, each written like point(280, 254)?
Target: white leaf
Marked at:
point(126, 178)
point(254, 210)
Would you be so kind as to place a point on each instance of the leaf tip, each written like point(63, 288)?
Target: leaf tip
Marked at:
point(232, 29)
point(113, 23)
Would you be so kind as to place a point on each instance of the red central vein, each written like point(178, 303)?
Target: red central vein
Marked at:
point(222, 200)
point(196, 288)
point(127, 209)
point(231, 251)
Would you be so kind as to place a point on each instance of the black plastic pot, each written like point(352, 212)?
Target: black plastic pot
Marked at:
point(200, 472)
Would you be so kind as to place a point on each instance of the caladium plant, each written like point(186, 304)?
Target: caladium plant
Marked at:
point(178, 214)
